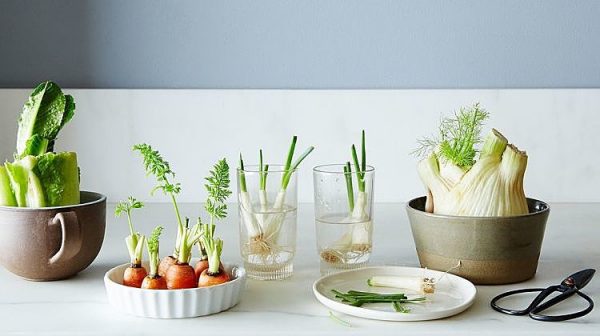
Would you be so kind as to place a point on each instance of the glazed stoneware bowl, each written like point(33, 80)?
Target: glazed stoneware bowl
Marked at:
point(52, 243)
point(174, 303)
point(485, 250)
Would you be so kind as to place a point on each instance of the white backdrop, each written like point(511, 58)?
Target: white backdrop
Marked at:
point(194, 128)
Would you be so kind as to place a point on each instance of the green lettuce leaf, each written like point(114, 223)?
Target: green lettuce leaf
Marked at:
point(7, 198)
point(25, 183)
point(59, 176)
point(45, 113)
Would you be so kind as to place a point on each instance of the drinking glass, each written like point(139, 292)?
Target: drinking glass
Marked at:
point(268, 217)
point(343, 216)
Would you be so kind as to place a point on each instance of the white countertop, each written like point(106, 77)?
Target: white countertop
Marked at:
point(79, 305)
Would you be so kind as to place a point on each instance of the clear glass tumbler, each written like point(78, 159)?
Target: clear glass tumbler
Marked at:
point(267, 204)
point(343, 216)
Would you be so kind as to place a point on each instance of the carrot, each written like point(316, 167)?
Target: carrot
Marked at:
point(134, 275)
point(153, 280)
point(218, 191)
point(210, 279)
point(200, 267)
point(156, 282)
point(180, 276)
point(214, 274)
point(164, 265)
point(203, 265)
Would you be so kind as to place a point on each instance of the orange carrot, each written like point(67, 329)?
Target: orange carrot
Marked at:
point(200, 267)
point(203, 265)
point(210, 279)
point(134, 275)
point(156, 282)
point(153, 280)
point(164, 265)
point(181, 276)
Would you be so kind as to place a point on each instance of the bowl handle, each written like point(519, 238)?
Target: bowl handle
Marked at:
point(71, 235)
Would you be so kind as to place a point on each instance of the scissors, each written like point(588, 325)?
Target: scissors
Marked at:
point(569, 286)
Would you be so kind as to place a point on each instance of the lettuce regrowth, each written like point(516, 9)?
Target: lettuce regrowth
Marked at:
point(38, 177)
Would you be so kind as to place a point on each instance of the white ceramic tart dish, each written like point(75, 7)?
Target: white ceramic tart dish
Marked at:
point(452, 295)
point(178, 303)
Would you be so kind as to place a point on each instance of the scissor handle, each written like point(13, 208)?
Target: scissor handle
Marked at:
point(539, 298)
point(534, 313)
point(536, 306)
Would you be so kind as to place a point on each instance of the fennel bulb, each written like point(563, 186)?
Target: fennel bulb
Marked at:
point(458, 185)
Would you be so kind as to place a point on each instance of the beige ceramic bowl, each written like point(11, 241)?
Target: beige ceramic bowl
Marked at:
point(52, 243)
point(489, 250)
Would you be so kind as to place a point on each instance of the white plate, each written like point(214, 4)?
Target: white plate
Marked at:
point(452, 295)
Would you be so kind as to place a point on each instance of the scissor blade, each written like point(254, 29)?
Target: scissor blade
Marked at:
point(579, 279)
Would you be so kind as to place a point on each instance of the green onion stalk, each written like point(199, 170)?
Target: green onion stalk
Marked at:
point(134, 241)
point(264, 226)
point(155, 165)
point(358, 298)
point(357, 240)
point(245, 200)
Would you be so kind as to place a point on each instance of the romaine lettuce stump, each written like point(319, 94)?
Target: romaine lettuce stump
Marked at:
point(38, 177)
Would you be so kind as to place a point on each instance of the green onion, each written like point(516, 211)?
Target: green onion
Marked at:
point(242, 175)
point(358, 298)
point(400, 309)
point(339, 320)
point(349, 188)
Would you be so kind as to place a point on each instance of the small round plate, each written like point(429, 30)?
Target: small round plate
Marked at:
point(452, 296)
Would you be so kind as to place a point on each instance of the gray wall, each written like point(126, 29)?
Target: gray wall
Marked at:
point(300, 44)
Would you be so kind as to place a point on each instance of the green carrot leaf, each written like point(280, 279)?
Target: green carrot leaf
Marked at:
point(154, 164)
point(218, 190)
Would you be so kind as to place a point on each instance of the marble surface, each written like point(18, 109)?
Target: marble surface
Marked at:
point(79, 305)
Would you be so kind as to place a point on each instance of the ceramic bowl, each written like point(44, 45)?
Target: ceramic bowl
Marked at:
point(485, 250)
point(174, 303)
point(52, 243)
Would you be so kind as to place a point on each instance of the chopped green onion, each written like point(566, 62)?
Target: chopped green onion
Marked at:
point(339, 320)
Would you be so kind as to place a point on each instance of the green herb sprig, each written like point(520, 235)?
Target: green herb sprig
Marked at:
point(457, 137)
point(126, 207)
point(218, 190)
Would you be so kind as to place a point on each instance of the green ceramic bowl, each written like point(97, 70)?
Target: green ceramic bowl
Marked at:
point(485, 250)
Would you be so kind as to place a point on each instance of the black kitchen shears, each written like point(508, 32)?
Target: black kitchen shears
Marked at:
point(571, 285)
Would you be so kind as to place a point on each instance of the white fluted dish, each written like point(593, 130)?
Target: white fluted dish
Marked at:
point(174, 303)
